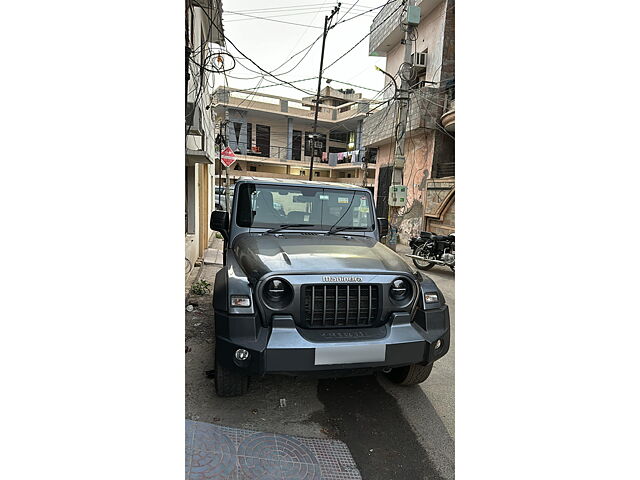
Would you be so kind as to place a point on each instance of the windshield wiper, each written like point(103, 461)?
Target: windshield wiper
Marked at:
point(288, 225)
point(340, 229)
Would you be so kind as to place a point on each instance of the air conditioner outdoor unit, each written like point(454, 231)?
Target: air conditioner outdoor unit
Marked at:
point(419, 60)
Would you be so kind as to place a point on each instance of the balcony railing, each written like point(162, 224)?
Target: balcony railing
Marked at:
point(386, 29)
point(285, 154)
point(425, 111)
point(250, 100)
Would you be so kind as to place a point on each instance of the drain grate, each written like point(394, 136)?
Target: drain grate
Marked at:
point(215, 452)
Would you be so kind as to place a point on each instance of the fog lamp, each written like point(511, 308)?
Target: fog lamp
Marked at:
point(242, 354)
point(430, 298)
point(438, 344)
point(240, 301)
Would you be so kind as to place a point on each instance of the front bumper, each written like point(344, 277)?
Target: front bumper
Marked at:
point(291, 350)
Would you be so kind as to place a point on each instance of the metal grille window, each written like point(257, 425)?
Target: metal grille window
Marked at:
point(350, 305)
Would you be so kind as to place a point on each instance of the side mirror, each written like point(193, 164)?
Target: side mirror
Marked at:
point(383, 226)
point(220, 222)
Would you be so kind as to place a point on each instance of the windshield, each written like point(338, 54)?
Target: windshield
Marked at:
point(271, 206)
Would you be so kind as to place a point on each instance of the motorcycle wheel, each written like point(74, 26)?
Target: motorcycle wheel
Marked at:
point(422, 264)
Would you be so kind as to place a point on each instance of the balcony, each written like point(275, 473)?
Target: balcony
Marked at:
point(448, 119)
point(425, 111)
point(290, 107)
point(386, 29)
point(214, 12)
point(277, 155)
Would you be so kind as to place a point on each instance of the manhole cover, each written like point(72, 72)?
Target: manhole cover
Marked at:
point(217, 452)
point(266, 455)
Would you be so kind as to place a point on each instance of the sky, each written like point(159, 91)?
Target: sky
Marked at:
point(270, 44)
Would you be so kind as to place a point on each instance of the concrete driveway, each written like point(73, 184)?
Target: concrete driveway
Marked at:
point(392, 432)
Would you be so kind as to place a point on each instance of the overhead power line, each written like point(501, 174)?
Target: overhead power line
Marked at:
point(362, 13)
point(243, 54)
point(278, 21)
point(298, 7)
point(364, 38)
point(295, 14)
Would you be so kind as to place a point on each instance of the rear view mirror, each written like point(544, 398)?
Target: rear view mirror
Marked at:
point(383, 226)
point(220, 222)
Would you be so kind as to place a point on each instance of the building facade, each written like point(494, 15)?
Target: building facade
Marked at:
point(429, 169)
point(270, 136)
point(203, 35)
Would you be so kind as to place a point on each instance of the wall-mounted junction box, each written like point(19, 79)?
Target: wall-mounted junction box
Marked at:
point(397, 196)
point(413, 15)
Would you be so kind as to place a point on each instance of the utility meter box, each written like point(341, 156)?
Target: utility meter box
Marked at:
point(413, 15)
point(397, 196)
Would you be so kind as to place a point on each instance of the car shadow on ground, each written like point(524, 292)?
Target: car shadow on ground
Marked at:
point(363, 414)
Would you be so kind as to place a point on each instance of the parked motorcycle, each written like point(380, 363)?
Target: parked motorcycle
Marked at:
point(430, 249)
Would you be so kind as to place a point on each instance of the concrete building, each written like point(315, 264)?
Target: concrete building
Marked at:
point(203, 31)
point(429, 171)
point(271, 135)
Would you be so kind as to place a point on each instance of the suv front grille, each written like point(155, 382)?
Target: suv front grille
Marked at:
point(342, 305)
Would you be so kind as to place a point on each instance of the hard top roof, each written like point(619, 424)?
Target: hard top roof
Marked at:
point(306, 183)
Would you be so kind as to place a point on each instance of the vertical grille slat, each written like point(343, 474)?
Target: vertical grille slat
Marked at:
point(331, 305)
point(335, 315)
point(324, 305)
point(313, 302)
point(346, 317)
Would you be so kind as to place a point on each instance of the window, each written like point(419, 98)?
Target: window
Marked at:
point(296, 145)
point(263, 139)
point(268, 206)
point(249, 136)
point(237, 146)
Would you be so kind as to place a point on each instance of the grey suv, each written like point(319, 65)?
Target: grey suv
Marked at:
point(307, 288)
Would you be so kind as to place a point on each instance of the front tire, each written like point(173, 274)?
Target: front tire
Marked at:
point(410, 375)
point(422, 264)
point(230, 383)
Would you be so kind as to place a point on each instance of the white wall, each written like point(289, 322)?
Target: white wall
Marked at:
point(196, 142)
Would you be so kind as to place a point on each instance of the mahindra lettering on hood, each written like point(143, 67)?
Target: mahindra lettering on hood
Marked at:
point(342, 279)
point(308, 289)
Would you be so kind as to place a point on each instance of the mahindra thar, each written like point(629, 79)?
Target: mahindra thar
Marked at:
point(307, 288)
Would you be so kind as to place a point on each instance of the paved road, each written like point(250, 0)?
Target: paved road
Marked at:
point(393, 432)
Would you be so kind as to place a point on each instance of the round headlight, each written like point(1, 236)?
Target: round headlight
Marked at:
point(277, 293)
point(400, 290)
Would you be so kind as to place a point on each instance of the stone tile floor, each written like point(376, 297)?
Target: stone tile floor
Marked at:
point(216, 452)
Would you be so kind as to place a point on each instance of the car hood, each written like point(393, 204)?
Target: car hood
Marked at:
point(259, 255)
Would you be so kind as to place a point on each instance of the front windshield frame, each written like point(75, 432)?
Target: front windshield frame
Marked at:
point(321, 207)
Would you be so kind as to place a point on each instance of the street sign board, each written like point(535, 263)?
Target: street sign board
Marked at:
point(227, 157)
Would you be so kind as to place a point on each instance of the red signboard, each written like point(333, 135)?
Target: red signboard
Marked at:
point(228, 157)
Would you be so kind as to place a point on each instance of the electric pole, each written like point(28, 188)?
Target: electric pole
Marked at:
point(327, 19)
point(402, 97)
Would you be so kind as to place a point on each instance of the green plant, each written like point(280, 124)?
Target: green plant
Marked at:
point(201, 287)
point(218, 235)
